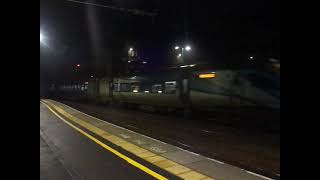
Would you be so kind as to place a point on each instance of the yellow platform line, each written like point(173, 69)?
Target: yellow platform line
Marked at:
point(117, 153)
point(162, 162)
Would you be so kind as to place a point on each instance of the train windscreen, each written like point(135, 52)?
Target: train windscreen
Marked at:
point(268, 81)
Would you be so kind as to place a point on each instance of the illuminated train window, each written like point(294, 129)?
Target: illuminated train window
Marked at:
point(116, 87)
point(207, 75)
point(156, 88)
point(170, 87)
point(135, 88)
point(125, 87)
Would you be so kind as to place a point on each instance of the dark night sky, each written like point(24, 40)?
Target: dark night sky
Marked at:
point(219, 31)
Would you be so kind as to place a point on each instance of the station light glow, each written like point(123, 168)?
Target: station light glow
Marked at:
point(41, 37)
point(135, 91)
point(146, 91)
point(273, 60)
point(190, 65)
point(169, 82)
point(207, 75)
point(159, 91)
point(188, 48)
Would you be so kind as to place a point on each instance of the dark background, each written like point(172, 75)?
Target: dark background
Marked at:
point(219, 32)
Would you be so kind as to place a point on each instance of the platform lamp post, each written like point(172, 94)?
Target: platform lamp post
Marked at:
point(183, 49)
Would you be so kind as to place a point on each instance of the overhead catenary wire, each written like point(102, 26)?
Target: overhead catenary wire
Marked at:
point(133, 11)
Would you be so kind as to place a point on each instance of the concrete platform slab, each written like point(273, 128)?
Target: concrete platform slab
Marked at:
point(222, 171)
point(183, 157)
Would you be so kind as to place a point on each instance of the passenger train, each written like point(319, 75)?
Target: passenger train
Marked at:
point(187, 88)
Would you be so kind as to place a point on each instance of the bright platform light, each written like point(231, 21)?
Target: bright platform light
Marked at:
point(41, 37)
point(188, 48)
